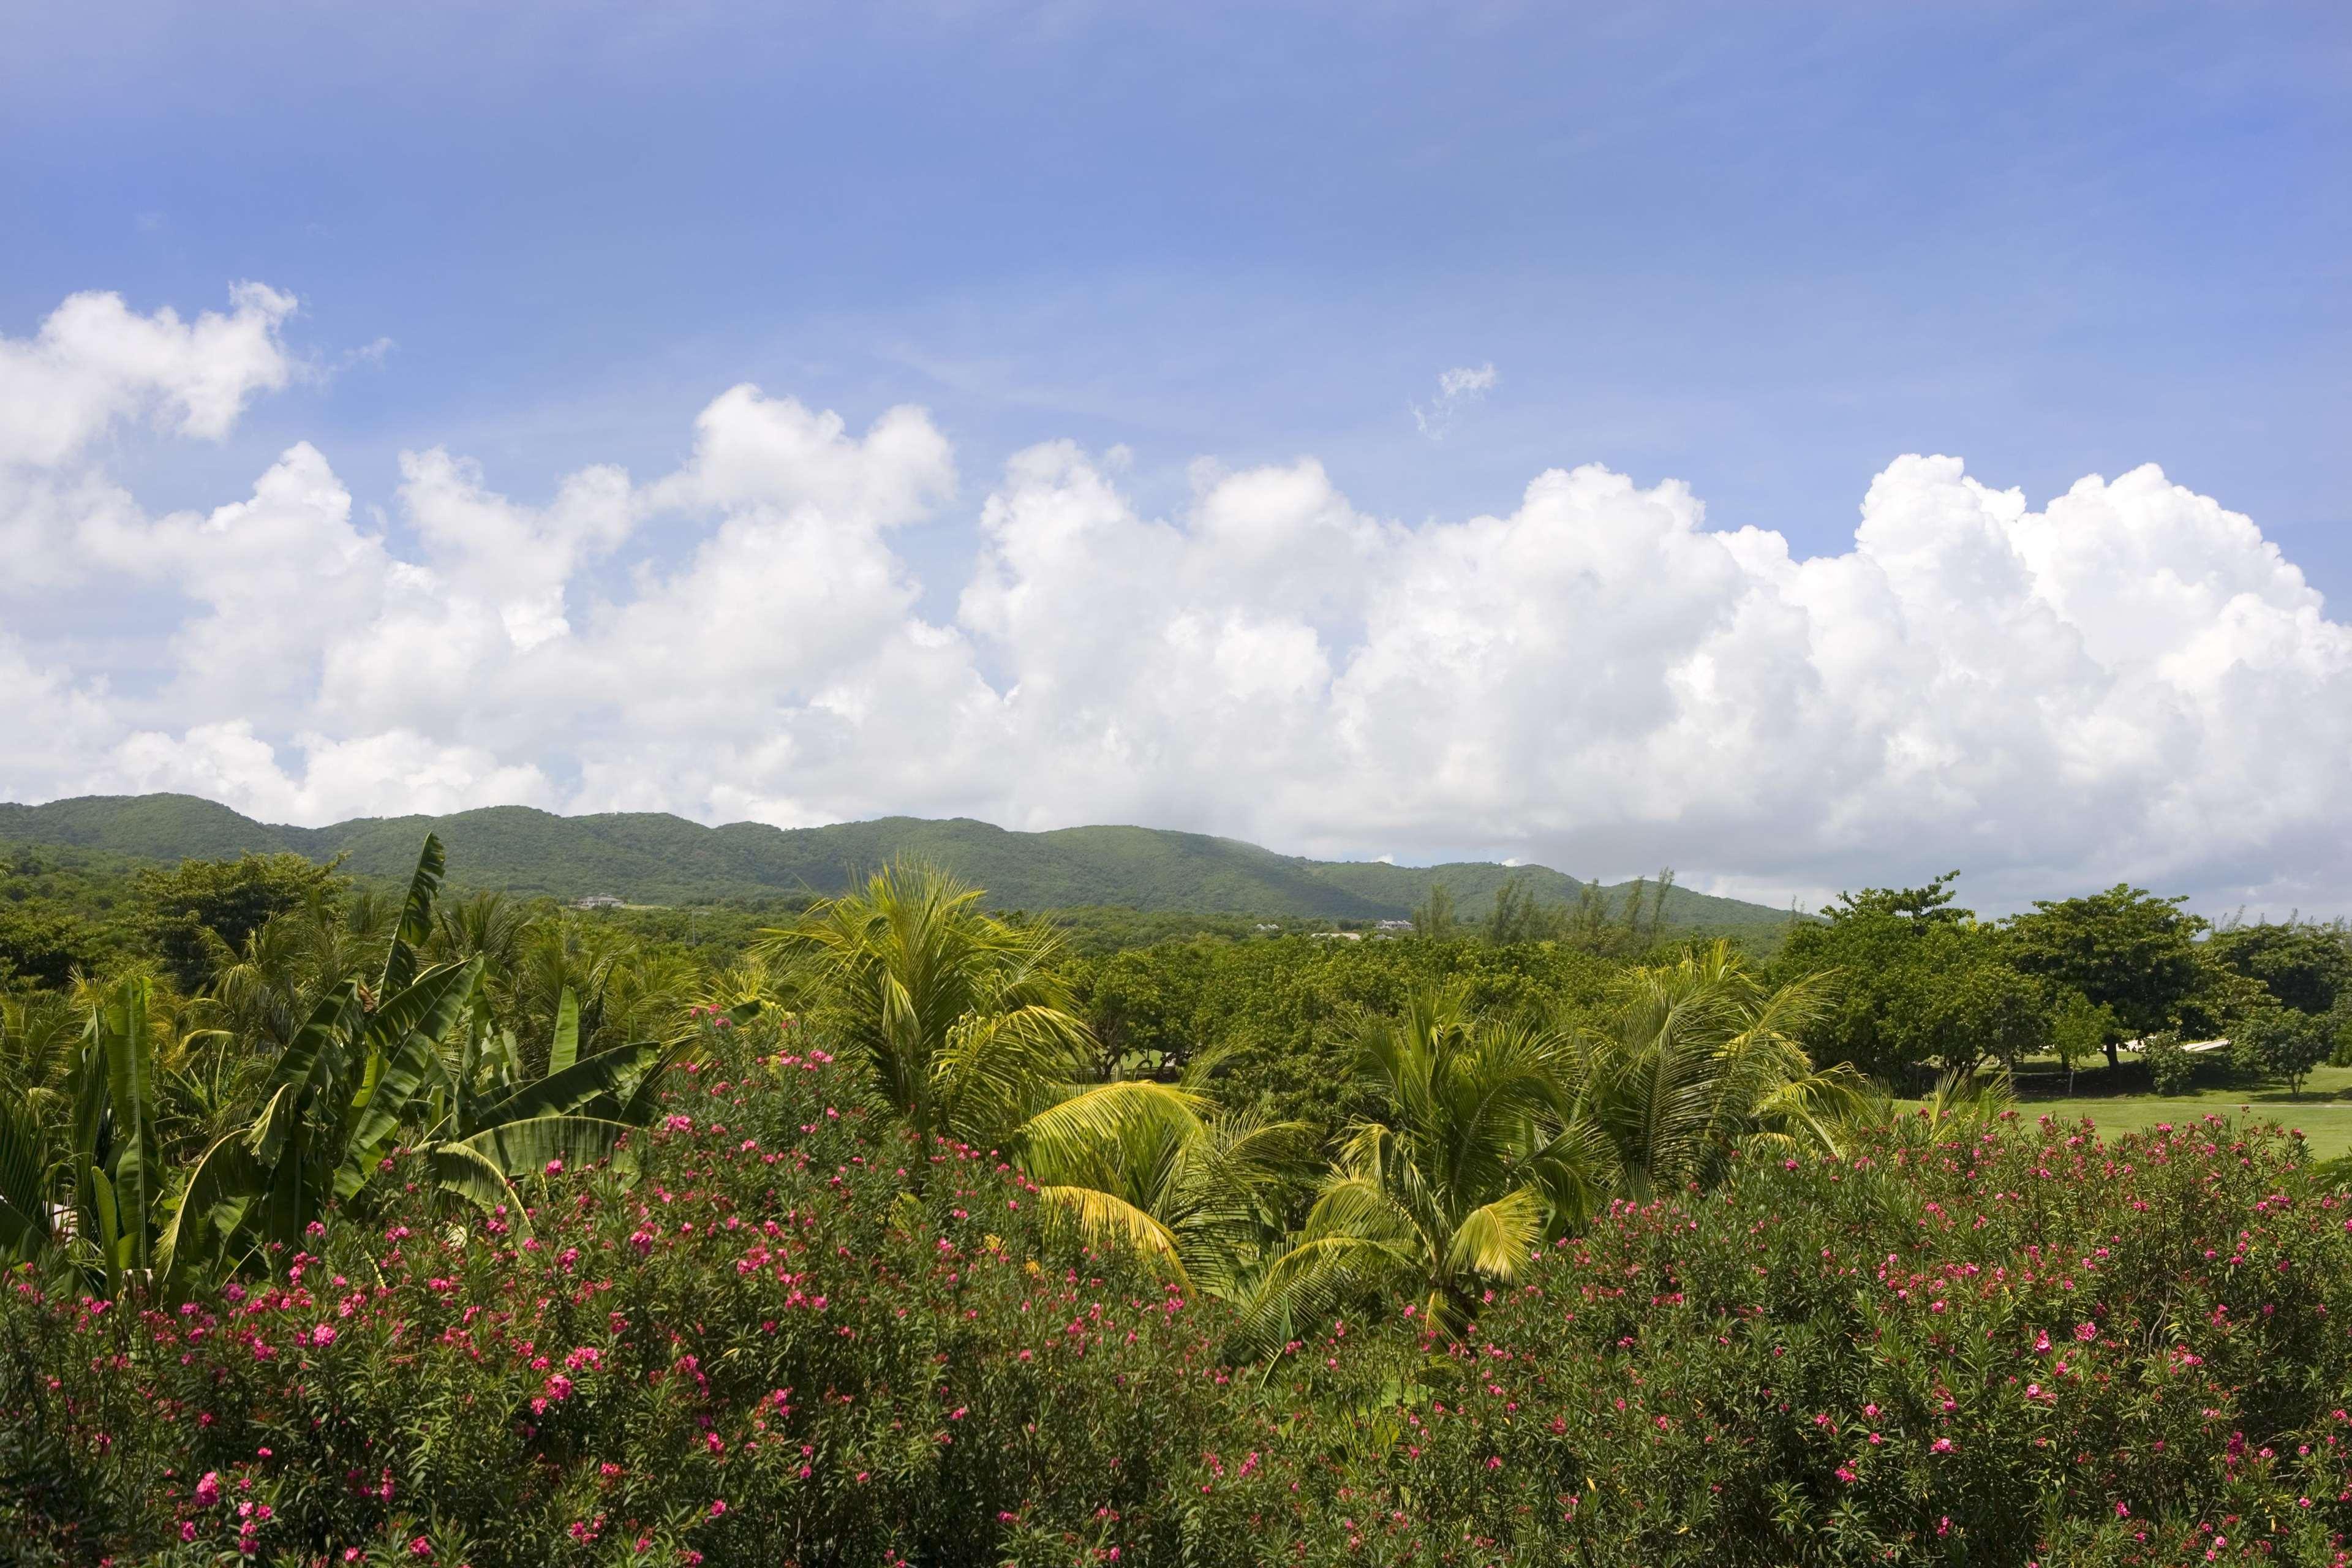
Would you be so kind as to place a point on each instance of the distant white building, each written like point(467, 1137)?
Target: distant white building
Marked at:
point(597, 901)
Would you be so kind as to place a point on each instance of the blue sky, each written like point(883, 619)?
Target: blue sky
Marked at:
point(1759, 248)
point(1752, 255)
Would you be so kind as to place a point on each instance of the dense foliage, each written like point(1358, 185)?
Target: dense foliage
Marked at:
point(451, 1230)
point(1974, 1343)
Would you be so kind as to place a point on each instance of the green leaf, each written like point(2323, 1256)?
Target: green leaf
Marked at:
point(526, 1147)
point(102, 1203)
point(465, 1171)
point(126, 1045)
point(429, 1006)
point(566, 1049)
point(1108, 1217)
point(213, 1208)
point(298, 1065)
point(25, 1227)
point(396, 1092)
point(574, 1088)
point(644, 1101)
point(1494, 1239)
point(416, 919)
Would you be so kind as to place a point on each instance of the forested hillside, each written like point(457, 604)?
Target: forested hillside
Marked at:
point(653, 858)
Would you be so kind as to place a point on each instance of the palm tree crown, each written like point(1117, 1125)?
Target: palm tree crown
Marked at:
point(962, 1020)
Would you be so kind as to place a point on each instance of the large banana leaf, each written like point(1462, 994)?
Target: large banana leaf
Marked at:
point(645, 1101)
point(416, 919)
point(122, 1025)
point(566, 1049)
point(576, 1088)
point(219, 1195)
point(295, 1190)
point(103, 1233)
point(397, 1089)
point(526, 1147)
point(402, 1040)
point(430, 1005)
point(321, 1035)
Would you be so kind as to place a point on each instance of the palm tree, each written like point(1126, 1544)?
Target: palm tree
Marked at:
point(485, 925)
point(961, 1020)
point(1693, 1058)
point(751, 987)
point(262, 993)
point(1158, 1167)
point(38, 1035)
point(1473, 1160)
point(1963, 1103)
point(1495, 1133)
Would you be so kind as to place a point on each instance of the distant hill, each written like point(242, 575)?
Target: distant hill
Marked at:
point(653, 858)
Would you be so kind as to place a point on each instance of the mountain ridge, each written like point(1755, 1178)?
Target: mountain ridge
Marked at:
point(656, 858)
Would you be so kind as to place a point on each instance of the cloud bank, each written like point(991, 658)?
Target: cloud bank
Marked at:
point(2127, 682)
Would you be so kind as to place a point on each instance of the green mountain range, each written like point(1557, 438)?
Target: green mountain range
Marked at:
point(654, 857)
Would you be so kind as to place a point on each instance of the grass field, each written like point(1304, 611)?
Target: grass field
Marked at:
point(2324, 1114)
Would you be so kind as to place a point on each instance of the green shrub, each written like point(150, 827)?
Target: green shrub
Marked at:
point(2171, 1068)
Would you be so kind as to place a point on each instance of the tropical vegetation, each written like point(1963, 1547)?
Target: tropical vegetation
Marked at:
point(349, 1221)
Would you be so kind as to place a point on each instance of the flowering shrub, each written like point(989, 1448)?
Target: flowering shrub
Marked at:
point(2027, 1346)
point(770, 1350)
point(797, 1339)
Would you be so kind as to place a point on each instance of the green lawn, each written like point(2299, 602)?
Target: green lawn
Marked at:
point(2324, 1114)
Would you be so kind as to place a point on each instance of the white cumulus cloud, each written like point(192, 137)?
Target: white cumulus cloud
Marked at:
point(2130, 681)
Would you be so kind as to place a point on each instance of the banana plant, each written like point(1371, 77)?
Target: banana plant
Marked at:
point(93, 1208)
point(115, 1168)
point(331, 1109)
point(484, 1097)
point(404, 1064)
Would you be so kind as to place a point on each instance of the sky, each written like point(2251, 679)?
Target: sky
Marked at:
point(1812, 446)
